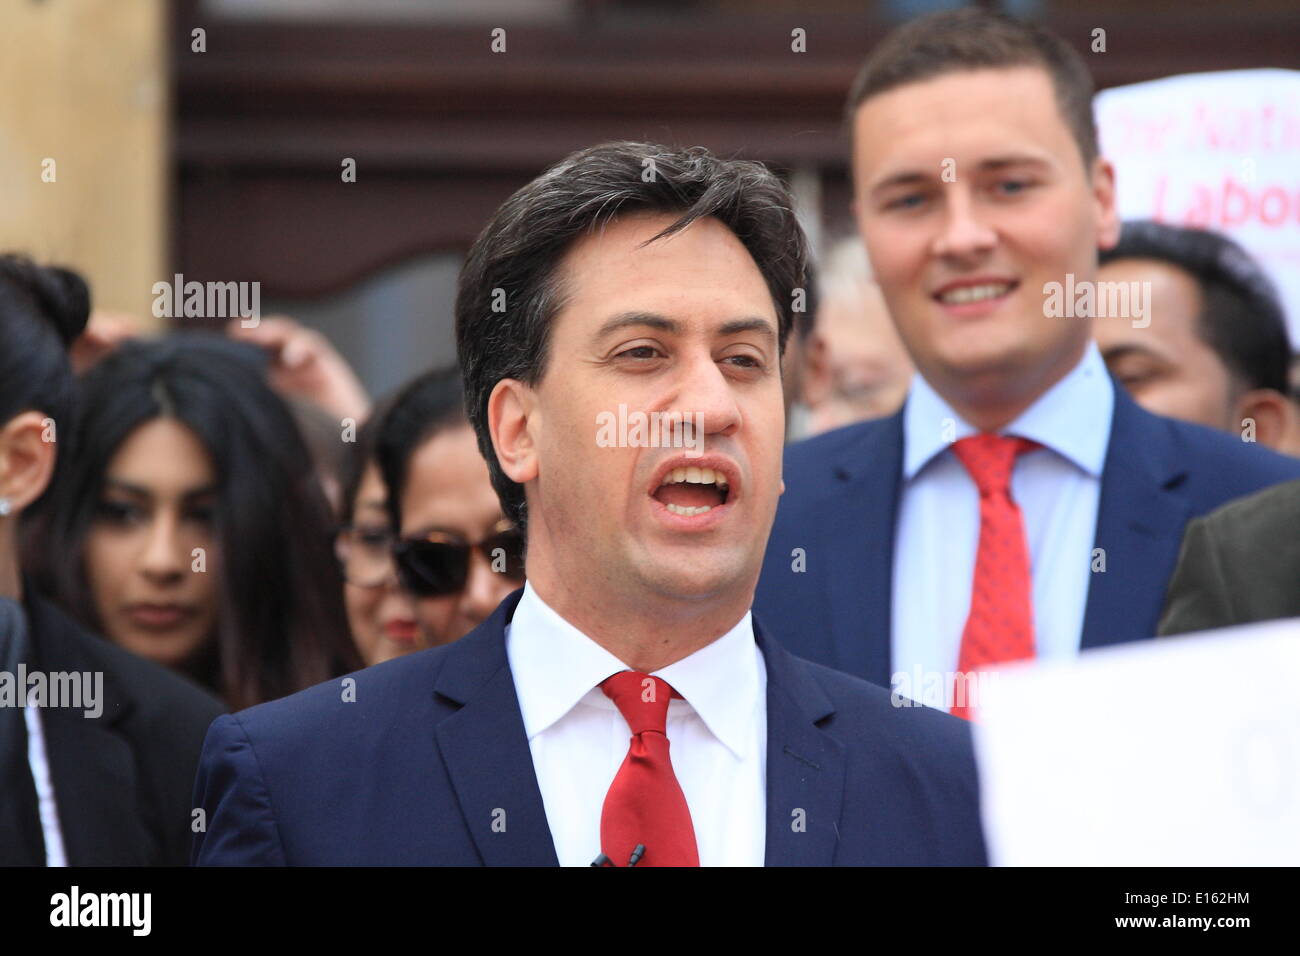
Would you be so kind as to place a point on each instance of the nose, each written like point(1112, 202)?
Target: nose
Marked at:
point(162, 559)
point(484, 589)
point(707, 397)
point(964, 235)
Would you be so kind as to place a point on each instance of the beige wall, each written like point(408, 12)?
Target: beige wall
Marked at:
point(83, 82)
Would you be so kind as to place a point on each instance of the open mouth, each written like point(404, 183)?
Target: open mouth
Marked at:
point(692, 491)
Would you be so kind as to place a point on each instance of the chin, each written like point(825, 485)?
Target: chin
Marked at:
point(686, 582)
point(169, 651)
point(989, 355)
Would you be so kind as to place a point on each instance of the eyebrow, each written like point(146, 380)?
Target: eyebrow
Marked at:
point(1116, 352)
point(142, 492)
point(910, 177)
point(653, 320)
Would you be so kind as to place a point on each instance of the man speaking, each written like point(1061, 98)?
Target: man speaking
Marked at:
point(624, 708)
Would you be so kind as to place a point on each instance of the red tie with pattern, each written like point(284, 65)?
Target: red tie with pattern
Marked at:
point(645, 807)
point(1000, 626)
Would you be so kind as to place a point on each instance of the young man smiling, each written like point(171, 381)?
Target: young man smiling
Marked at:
point(1019, 505)
point(664, 281)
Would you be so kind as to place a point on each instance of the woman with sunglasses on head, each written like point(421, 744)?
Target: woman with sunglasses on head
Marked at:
point(107, 779)
point(456, 553)
point(191, 528)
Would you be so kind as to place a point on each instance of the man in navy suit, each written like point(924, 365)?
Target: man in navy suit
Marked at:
point(620, 323)
point(1020, 504)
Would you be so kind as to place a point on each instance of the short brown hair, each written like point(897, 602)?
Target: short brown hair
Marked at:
point(975, 39)
point(518, 254)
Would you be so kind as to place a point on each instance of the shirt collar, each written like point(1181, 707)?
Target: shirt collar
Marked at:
point(1064, 418)
point(555, 665)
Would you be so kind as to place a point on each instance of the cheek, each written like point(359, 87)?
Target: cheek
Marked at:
point(1037, 235)
point(107, 559)
point(362, 603)
point(207, 581)
point(435, 616)
point(895, 252)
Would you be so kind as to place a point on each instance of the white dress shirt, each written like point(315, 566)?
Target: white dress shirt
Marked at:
point(1057, 488)
point(48, 806)
point(578, 737)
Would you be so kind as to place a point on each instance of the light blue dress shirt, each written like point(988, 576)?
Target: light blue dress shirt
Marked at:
point(1057, 488)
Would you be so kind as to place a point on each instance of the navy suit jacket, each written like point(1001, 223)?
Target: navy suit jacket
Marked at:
point(429, 764)
point(841, 507)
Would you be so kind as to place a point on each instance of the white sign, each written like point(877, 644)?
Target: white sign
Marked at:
point(1174, 752)
point(1217, 151)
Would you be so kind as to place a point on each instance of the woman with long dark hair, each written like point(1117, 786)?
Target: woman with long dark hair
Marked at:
point(190, 527)
point(106, 779)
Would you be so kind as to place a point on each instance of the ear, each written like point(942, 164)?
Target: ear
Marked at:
point(1103, 193)
point(817, 371)
point(1271, 412)
point(513, 417)
point(27, 454)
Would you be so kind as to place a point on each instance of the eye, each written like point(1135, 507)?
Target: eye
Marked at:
point(640, 352)
point(1013, 187)
point(910, 201)
point(745, 361)
point(119, 512)
point(376, 539)
point(201, 514)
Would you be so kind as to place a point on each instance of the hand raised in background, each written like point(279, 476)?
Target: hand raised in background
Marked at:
point(304, 363)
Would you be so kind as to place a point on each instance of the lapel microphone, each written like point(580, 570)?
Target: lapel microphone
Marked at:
point(637, 852)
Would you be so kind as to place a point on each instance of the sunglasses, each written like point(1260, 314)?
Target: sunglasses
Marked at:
point(438, 563)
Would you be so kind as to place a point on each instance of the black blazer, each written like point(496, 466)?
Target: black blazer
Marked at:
point(1239, 564)
point(122, 781)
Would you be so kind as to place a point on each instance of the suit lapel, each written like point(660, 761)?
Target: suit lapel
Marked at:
point(92, 765)
point(860, 542)
point(805, 766)
point(1140, 521)
point(486, 752)
point(96, 791)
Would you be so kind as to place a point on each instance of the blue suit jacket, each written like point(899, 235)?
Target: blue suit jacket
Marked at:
point(429, 764)
point(841, 507)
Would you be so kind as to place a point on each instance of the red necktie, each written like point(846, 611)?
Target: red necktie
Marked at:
point(1000, 626)
point(645, 805)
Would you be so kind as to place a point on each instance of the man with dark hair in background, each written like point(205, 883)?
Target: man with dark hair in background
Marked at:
point(642, 284)
point(1215, 350)
point(1019, 505)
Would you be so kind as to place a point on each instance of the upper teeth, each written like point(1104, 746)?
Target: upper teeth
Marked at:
point(974, 293)
point(695, 476)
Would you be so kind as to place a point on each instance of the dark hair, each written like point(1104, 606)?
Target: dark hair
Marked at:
point(42, 310)
point(975, 39)
point(281, 618)
point(1241, 316)
point(360, 457)
point(321, 432)
point(806, 317)
point(422, 408)
point(509, 287)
